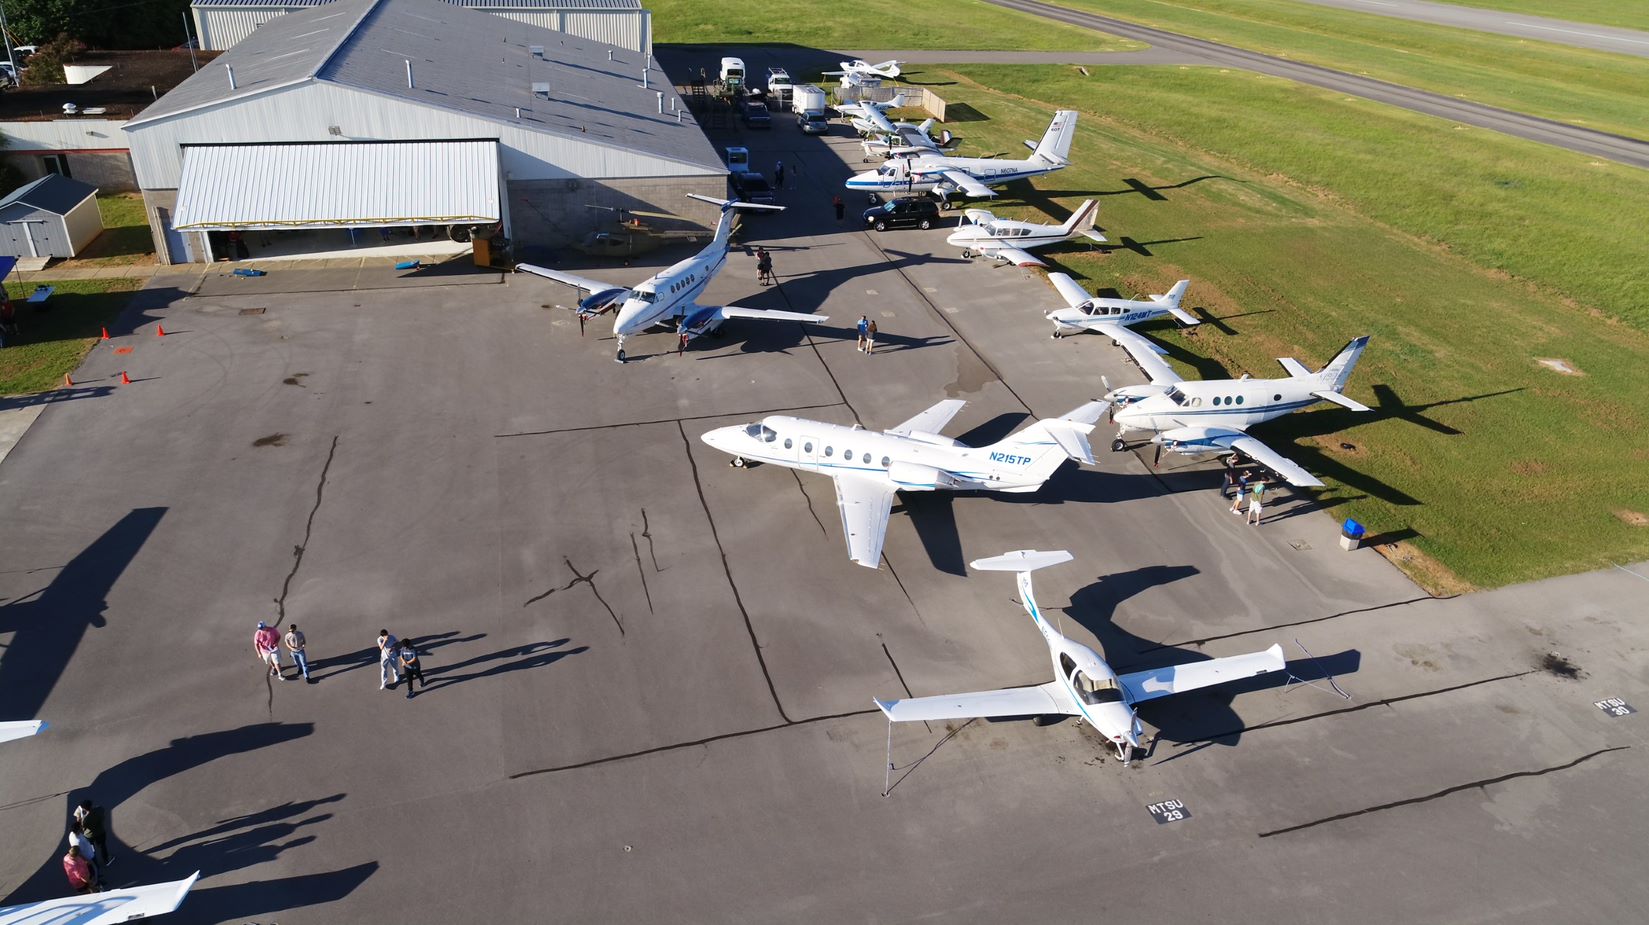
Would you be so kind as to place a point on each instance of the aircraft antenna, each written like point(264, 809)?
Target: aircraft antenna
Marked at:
point(1293, 679)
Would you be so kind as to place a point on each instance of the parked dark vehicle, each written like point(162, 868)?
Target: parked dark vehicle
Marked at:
point(752, 187)
point(755, 115)
point(904, 212)
point(813, 122)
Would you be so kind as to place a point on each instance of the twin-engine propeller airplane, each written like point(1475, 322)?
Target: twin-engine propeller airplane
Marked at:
point(907, 139)
point(1111, 317)
point(670, 294)
point(1213, 416)
point(1084, 685)
point(858, 71)
point(971, 176)
point(1010, 242)
point(870, 118)
point(870, 467)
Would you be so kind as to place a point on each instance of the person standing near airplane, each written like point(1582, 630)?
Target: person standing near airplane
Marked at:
point(864, 328)
point(1255, 507)
point(268, 643)
point(388, 646)
point(295, 644)
point(79, 871)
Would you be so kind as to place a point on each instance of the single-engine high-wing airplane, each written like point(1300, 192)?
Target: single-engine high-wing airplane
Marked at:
point(907, 139)
point(104, 908)
point(1111, 317)
point(670, 294)
point(1083, 685)
point(20, 730)
point(1010, 242)
point(869, 467)
point(971, 176)
point(1213, 415)
point(859, 70)
point(870, 118)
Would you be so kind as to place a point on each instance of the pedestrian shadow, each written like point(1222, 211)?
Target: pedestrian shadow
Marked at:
point(531, 655)
point(368, 657)
point(274, 814)
point(115, 785)
point(243, 901)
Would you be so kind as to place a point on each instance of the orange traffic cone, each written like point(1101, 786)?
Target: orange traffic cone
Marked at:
point(105, 334)
point(67, 382)
point(125, 379)
point(160, 331)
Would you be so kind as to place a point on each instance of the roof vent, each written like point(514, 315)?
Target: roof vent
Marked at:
point(537, 51)
point(541, 89)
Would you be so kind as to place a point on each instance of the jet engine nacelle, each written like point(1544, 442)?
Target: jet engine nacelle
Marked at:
point(604, 301)
point(1128, 394)
point(915, 477)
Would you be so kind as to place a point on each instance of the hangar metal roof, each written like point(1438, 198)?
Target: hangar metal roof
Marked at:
point(338, 185)
point(462, 60)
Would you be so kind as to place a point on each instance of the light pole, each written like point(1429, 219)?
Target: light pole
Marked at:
point(4, 31)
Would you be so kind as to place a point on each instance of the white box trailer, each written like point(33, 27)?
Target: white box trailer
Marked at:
point(808, 98)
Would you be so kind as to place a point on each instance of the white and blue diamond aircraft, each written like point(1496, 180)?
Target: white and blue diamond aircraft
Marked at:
point(1213, 415)
point(972, 176)
point(670, 294)
point(1083, 685)
point(870, 467)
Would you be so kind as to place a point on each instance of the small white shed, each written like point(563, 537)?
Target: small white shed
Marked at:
point(54, 216)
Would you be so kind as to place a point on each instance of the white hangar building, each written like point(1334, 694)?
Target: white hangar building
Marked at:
point(221, 24)
point(378, 116)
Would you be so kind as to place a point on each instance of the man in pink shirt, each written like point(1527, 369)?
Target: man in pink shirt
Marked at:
point(267, 640)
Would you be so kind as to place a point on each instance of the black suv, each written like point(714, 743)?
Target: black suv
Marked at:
point(752, 187)
point(903, 213)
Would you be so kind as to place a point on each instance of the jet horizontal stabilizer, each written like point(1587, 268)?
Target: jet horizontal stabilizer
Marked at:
point(1021, 560)
point(1342, 401)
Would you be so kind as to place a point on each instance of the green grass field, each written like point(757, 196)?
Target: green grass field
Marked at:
point(125, 239)
point(1573, 85)
point(946, 24)
point(54, 342)
point(1627, 14)
point(1304, 220)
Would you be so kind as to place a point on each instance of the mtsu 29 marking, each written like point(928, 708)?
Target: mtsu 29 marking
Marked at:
point(1168, 811)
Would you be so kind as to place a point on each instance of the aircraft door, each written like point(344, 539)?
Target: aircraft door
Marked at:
point(809, 450)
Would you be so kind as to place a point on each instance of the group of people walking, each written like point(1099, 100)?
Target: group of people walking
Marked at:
point(1242, 488)
point(88, 849)
point(268, 640)
point(397, 659)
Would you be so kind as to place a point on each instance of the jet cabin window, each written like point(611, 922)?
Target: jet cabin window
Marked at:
point(1096, 690)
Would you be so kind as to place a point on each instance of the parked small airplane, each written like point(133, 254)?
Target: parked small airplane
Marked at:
point(1086, 312)
point(907, 139)
point(1213, 416)
point(971, 176)
point(858, 71)
point(1084, 685)
point(1010, 242)
point(870, 118)
point(670, 293)
point(870, 467)
point(21, 729)
point(104, 908)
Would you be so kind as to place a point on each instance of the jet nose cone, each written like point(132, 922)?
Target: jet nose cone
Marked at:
point(626, 322)
point(718, 438)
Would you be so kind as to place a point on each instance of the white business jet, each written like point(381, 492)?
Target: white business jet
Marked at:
point(870, 118)
point(971, 176)
point(858, 71)
point(20, 730)
point(870, 467)
point(104, 908)
point(1213, 416)
point(1084, 312)
point(1083, 686)
point(669, 294)
point(1009, 241)
point(907, 139)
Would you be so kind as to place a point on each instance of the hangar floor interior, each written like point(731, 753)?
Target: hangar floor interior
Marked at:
point(328, 243)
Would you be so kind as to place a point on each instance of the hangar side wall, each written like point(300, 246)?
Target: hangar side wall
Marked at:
point(309, 112)
point(555, 213)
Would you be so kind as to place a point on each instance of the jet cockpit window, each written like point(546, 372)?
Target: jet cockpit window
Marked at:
point(645, 295)
point(1175, 396)
point(761, 432)
point(1096, 690)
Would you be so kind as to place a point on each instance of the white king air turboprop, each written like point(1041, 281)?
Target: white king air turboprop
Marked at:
point(972, 176)
point(1083, 685)
point(1212, 416)
point(870, 467)
point(1010, 242)
point(669, 294)
point(1084, 312)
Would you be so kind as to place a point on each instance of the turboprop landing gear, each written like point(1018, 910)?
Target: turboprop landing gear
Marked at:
point(1118, 445)
point(619, 356)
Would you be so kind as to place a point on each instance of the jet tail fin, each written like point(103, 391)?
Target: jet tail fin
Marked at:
point(1172, 299)
point(1338, 371)
point(1055, 147)
point(1082, 220)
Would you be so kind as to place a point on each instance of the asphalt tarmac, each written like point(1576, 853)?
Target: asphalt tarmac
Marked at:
point(650, 674)
point(1546, 131)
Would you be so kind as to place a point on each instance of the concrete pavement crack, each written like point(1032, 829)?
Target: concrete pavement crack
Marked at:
point(308, 528)
point(809, 499)
point(1473, 785)
point(577, 580)
point(642, 572)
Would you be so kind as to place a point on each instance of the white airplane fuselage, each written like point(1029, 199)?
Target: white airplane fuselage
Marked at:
point(1086, 677)
point(1104, 311)
point(672, 292)
point(921, 174)
point(918, 462)
point(1237, 404)
point(1023, 235)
